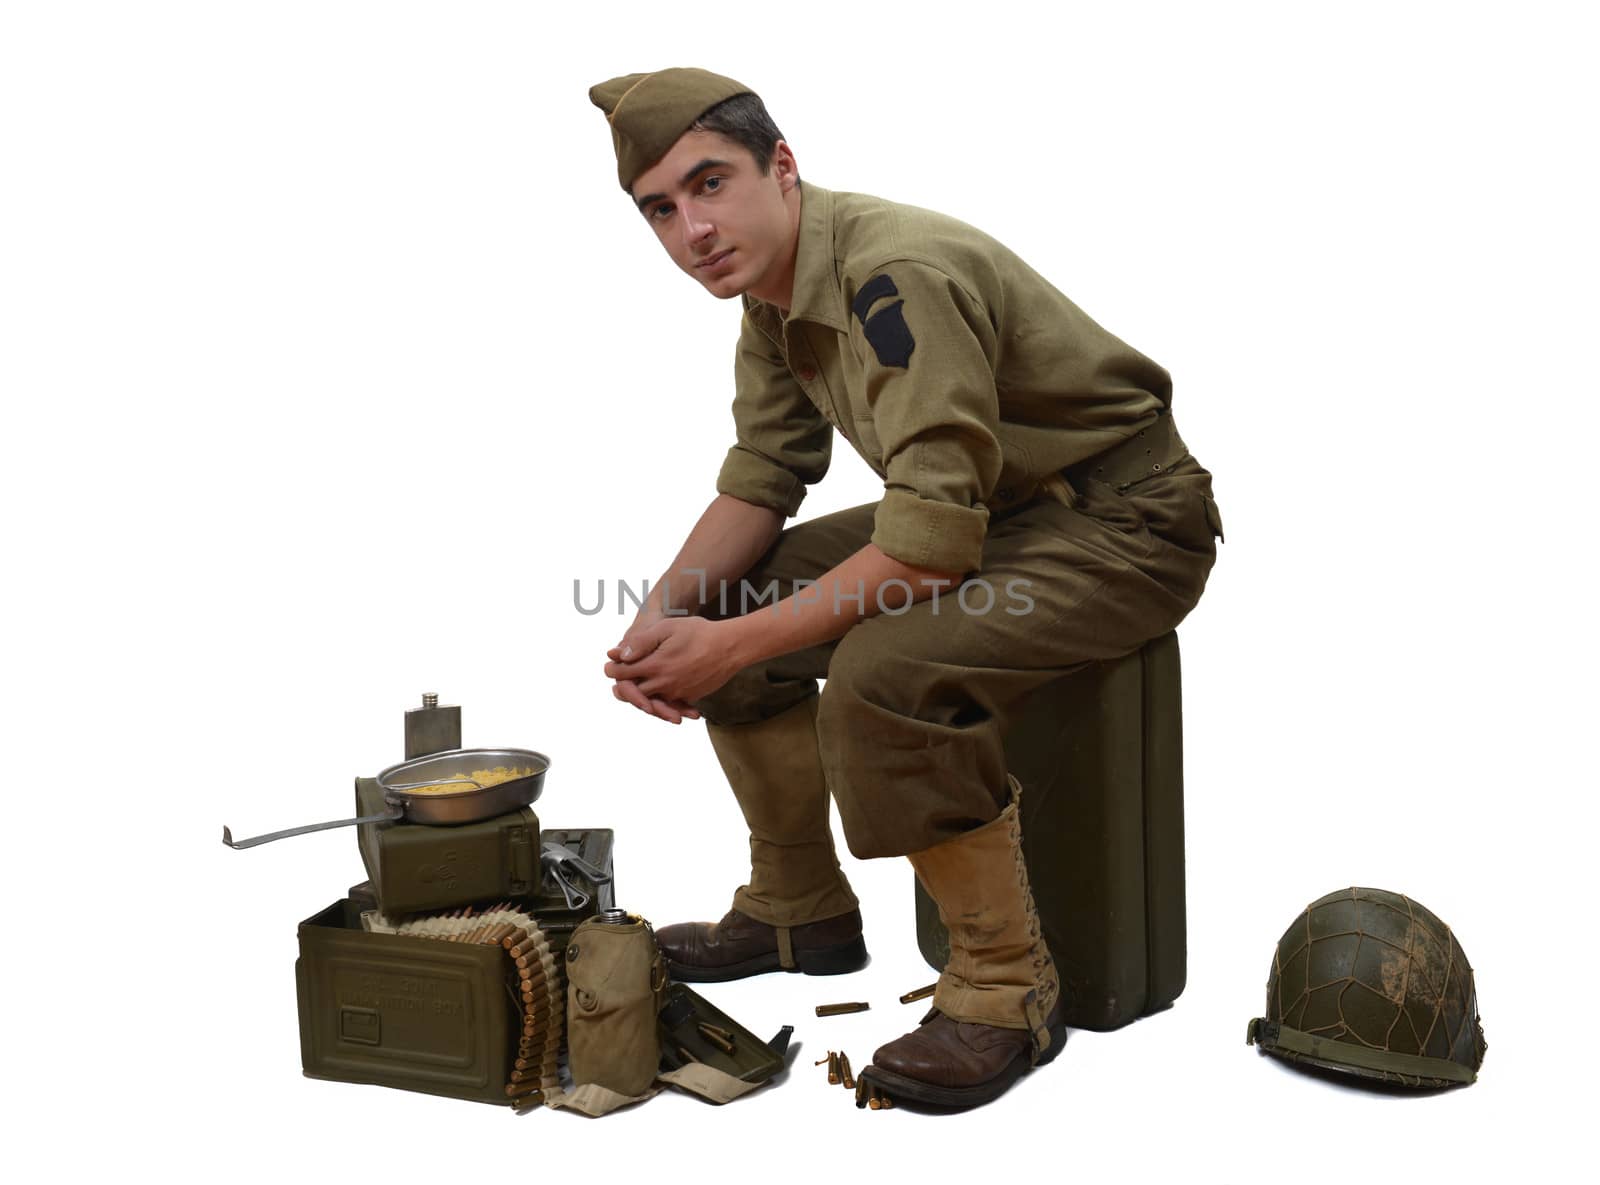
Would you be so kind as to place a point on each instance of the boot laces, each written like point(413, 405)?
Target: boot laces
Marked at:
point(1044, 984)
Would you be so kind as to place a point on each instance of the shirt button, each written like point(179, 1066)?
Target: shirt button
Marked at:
point(807, 373)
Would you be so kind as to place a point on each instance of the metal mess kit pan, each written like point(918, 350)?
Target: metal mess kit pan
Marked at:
point(405, 798)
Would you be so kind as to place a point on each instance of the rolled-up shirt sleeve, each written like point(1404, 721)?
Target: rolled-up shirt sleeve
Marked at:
point(928, 348)
point(783, 443)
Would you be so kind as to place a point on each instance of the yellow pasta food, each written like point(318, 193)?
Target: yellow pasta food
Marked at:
point(484, 777)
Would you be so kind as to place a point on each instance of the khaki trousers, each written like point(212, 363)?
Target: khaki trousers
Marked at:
point(917, 703)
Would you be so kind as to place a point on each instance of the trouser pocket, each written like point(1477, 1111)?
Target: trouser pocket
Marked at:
point(1214, 517)
point(1177, 506)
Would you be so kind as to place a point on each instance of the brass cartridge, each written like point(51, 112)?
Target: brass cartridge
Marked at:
point(841, 1009)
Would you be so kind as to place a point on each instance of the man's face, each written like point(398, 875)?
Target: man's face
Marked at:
point(721, 219)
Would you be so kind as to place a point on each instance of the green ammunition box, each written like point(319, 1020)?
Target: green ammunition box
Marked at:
point(1099, 754)
point(413, 1013)
point(425, 1015)
point(416, 868)
point(752, 1059)
point(558, 916)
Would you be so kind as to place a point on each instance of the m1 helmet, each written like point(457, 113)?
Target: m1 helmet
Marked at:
point(1369, 983)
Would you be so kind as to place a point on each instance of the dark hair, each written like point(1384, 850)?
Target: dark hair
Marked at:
point(745, 121)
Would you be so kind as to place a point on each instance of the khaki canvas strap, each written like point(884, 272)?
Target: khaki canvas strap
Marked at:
point(697, 1078)
point(708, 1082)
point(1037, 1029)
point(594, 1100)
point(785, 948)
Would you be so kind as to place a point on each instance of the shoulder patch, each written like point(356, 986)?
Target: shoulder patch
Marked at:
point(886, 330)
point(874, 289)
point(890, 336)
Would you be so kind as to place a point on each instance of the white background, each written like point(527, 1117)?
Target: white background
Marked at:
point(332, 356)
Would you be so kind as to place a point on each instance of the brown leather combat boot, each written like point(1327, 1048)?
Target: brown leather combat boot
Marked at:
point(797, 913)
point(997, 1008)
point(699, 952)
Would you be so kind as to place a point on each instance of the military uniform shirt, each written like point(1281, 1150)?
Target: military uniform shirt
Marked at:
point(959, 374)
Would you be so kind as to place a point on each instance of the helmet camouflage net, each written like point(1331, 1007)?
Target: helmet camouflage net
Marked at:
point(1369, 983)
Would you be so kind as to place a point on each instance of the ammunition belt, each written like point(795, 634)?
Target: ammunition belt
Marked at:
point(537, 987)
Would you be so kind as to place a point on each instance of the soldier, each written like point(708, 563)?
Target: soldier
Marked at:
point(1039, 512)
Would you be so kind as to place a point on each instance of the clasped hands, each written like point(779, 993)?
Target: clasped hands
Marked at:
point(663, 664)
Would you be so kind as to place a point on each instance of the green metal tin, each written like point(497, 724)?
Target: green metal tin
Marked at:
point(412, 1013)
point(1099, 754)
point(559, 911)
point(415, 868)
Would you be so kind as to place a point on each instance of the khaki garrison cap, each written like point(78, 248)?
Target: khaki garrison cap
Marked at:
point(648, 112)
